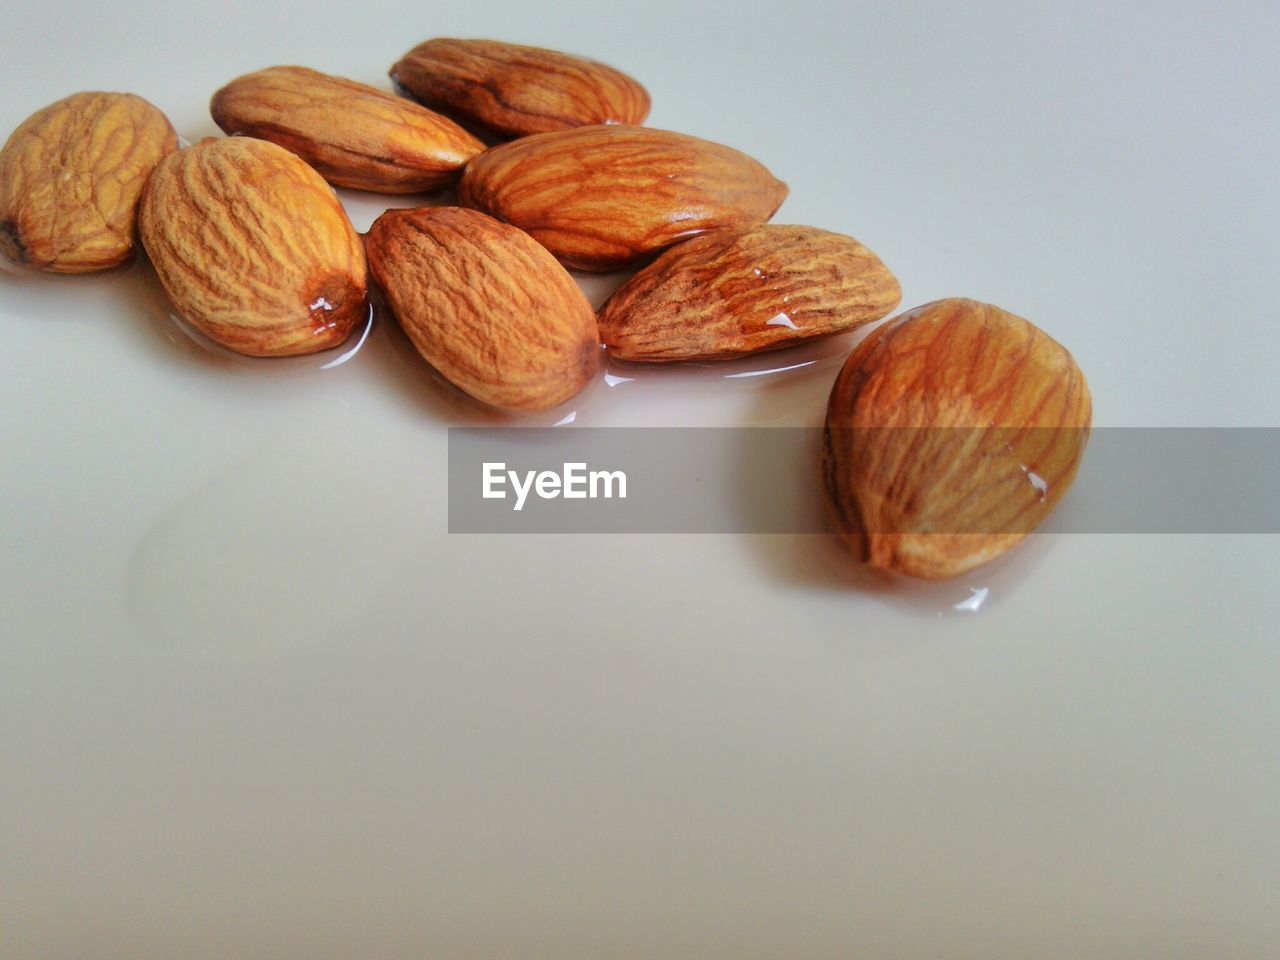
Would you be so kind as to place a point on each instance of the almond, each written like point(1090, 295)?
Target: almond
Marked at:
point(355, 135)
point(70, 179)
point(602, 197)
point(728, 293)
point(254, 248)
point(511, 91)
point(485, 305)
point(951, 432)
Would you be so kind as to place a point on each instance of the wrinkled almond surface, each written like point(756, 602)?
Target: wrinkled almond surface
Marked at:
point(254, 248)
point(951, 432)
point(602, 197)
point(486, 306)
point(728, 293)
point(512, 91)
point(355, 135)
point(70, 179)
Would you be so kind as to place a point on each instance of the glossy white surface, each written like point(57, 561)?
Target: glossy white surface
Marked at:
point(255, 702)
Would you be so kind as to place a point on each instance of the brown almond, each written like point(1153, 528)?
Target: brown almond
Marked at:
point(485, 305)
point(254, 248)
point(951, 432)
point(355, 135)
point(728, 293)
point(71, 176)
point(602, 197)
point(511, 91)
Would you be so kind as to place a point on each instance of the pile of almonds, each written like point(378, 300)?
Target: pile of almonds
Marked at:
point(951, 431)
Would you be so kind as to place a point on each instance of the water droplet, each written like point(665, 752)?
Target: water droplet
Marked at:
point(973, 603)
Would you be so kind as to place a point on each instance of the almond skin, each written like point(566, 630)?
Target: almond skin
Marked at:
point(485, 305)
point(355, 135)
point(509, 90)
point(605, 196)
point(951, 432)
point(729, 293)
point(71, 177)
point(254, 248)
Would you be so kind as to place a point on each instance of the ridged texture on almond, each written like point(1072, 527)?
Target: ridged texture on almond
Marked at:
point(355, 135)
point(254, 248)
point(602, 197)
point(485, 305)
point(729, 293)
point(951, 432)
point(512, 91)
point(70, 179)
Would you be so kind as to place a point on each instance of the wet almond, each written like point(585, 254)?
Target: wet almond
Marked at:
point(353, 134)
point(730, 293)
point(952, 431)
point(602, 197)
point(509, 90)
point(71, 177)
point(254, 248)
point(485, 305)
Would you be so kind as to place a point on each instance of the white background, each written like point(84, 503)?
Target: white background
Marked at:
point(255, 702)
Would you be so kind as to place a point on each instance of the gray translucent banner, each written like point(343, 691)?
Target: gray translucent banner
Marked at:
point(768, 479)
